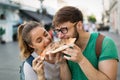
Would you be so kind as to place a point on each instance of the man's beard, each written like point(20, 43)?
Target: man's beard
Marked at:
point(76, 35)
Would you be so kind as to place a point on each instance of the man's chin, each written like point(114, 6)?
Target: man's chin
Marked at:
point(67, 37)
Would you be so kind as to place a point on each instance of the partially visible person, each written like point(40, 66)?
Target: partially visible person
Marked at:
point(86, 27)
point(48, 27)
point(33, 39)
point(83, 63)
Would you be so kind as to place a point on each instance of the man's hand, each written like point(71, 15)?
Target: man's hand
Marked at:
point(75, 54)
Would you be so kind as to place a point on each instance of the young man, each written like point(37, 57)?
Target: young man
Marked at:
point(83, 63)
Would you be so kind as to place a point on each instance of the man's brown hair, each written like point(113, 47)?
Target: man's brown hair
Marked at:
point(67, 13)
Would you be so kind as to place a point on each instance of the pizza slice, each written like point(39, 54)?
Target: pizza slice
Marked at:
point(58, 46)
point(55, 47)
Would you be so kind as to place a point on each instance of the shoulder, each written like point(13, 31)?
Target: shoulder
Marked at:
point(27, 67)
point(108, 42)
point(109, 49)
point(29, 72)
point(28, 64)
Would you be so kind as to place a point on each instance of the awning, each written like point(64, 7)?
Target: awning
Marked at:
point(38, 17)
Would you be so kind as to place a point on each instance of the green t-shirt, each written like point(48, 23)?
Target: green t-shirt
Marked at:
point(109, 51)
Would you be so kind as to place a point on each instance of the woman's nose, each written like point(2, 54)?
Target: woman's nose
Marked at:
point(47, 40)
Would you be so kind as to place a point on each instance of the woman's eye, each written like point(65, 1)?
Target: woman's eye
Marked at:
point(39, 40)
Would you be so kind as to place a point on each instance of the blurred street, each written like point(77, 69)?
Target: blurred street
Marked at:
point(10, 60)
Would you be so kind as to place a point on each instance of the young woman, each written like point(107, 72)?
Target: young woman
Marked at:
point(33, 39)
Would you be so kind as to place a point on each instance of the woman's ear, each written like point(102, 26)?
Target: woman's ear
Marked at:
point(79, 25)
point(30, 45)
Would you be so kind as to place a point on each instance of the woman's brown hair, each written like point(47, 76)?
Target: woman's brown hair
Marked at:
point(24, 38)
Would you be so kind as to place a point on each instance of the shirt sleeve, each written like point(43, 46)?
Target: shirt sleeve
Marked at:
point(109, 50)
point(29, 72)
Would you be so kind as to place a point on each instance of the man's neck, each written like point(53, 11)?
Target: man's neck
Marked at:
point(83, 40)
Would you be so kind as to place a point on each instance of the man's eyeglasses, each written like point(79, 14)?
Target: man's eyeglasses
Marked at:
point(63, 30)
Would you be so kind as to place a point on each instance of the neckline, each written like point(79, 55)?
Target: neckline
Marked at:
point(87, 43)
point(34, 54)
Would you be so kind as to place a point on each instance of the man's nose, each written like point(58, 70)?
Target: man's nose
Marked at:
point(60, 35)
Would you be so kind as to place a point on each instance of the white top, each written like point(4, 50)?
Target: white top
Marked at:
point(51, 71)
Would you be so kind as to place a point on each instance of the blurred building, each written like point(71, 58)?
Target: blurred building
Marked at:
point(8, 17)
point(112, 14)
point(15, 12)
point(114, 10)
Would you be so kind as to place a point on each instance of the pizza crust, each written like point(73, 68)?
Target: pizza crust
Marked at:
point(62, 48)
point(55, 47)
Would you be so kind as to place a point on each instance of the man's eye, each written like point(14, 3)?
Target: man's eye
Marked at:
point(46, 34)
point(56, 30)
point(63, 29)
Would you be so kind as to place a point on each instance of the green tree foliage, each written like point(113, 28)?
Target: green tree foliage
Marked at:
point(2, 31)
point(92, 18)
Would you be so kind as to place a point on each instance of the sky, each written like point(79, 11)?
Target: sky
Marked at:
point(88, 7)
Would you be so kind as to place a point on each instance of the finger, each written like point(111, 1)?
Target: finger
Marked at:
point(34, 62)
point(61, 57)
point(39, 63)
point(51, 56)
point(67, 53)
point(76, 47)
point(58, 57)
point(71, 47)
point(41, 66)
point(68, 58)
point(41, 69)
point(46, 57)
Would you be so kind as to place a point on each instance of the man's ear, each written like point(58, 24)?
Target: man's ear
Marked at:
point(79, 25)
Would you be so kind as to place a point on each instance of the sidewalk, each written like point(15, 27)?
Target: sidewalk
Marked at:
point(9, 61)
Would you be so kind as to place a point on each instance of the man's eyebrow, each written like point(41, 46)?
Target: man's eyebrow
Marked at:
point(44, 32)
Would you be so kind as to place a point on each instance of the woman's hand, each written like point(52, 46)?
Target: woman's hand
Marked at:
point(37, 65)
point(49, 57)
point(55, 58)
point(75, 54)
point(59, 58)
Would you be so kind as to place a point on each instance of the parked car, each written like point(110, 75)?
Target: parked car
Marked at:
point(103, 28)
point(15, 27)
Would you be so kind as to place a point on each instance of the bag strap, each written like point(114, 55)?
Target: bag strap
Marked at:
point(99, 44)
point(29, 60)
